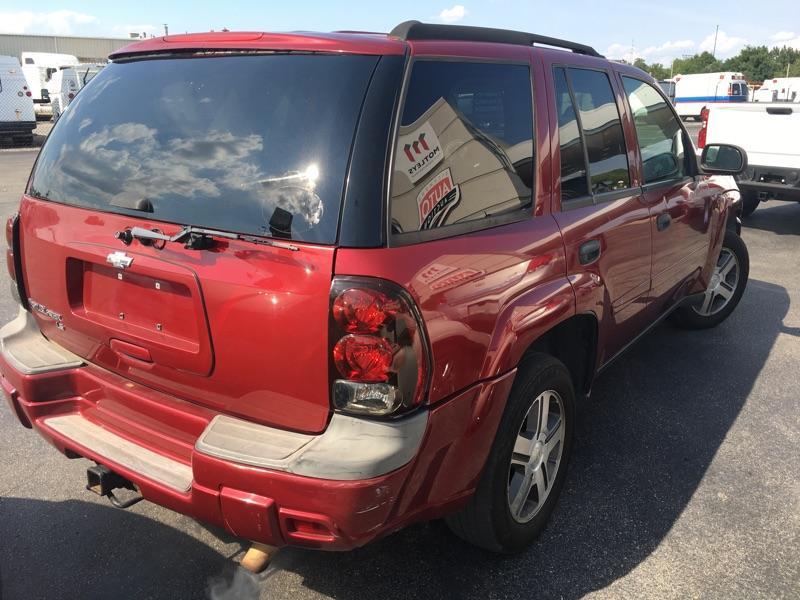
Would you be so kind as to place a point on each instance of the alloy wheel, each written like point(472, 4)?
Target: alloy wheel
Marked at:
point(536, 456)
point(722, 286)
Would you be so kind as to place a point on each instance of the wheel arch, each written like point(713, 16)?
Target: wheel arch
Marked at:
point(573, 341)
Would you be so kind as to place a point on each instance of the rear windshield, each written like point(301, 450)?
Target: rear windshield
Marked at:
point(250, 144)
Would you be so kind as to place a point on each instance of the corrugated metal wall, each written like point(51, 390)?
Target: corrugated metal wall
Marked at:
point(86, 49)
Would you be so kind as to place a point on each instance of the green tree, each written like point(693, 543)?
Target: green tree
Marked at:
point(699, 63)
point(782, 57)
point(658, 71)
point(756, 62)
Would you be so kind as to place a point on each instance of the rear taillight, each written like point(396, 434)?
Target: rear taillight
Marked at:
point(70, 95)
point(378, 349)
point(28, 94)
point(701, 136)
point(10, 247)
point(13, 262)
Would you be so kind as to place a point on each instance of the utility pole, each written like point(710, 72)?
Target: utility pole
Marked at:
point(166, 29)
point(714, 53)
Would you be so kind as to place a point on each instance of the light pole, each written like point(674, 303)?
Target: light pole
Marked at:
point(714, 52)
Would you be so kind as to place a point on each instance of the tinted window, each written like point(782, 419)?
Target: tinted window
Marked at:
point(465, 146)
point(659, 134)
point(220, 142)
point(602, 130)
point(573, 161)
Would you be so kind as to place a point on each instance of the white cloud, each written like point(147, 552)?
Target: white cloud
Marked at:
point(663, 53)
point(726, 45)
point(618, 52)
point(453, 14)
point(786, 38)
point(667, 48)
point(58, 22)
point(783, 36)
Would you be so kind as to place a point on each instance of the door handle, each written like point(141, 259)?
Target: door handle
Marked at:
point(663, 221)
point(589, 252)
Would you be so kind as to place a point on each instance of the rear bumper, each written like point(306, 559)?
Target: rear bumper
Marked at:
point(338, 490)
point(777, 183)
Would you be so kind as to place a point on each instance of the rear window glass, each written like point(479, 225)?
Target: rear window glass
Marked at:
point(602, 130)
point(228, 143)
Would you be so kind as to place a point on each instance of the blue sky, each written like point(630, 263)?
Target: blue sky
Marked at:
point(655, 33)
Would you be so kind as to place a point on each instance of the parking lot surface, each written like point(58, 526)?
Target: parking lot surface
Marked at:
point(684, 483)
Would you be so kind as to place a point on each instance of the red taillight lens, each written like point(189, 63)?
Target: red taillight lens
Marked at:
point(28, 94)
point(379, 353)
point(359, 310)
point(365, 358)
point(12, 271)
point(70, 95)
point(701, 136)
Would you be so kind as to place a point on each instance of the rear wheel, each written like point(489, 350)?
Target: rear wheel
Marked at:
point(527, 465)
point(724, 290)
point(750, 203)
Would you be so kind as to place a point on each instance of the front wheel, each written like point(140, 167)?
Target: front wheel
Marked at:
point(527, 465)
point(724, 290)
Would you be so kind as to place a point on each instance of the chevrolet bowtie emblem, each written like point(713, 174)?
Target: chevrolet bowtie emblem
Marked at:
point(119, 260)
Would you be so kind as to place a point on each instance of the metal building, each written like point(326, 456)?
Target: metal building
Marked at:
point(87, 49)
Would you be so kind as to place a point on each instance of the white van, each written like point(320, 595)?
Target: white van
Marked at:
point(62, 88)
point(38, 68)
point(779, 89)
point(694, 92)
point(17, 118)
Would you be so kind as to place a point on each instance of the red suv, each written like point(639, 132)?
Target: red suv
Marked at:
point(315, 287)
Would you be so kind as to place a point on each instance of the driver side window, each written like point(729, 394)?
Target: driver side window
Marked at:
point(659, 134)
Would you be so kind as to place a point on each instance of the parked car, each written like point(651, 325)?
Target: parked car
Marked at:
point(38, 68)
point(17, 120)
point(695, 92)
point(769, 133)
point(377, 296)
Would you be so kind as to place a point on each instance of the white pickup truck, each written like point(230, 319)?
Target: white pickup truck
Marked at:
point(770, 134)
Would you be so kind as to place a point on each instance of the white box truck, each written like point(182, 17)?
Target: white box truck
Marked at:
point(38, 68)
point(695, 92)
point(17, 118)
point(779, 89)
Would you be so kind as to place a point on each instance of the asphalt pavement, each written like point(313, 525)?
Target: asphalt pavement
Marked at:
point(684, 483)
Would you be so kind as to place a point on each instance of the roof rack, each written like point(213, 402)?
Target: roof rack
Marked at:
point(414, 30)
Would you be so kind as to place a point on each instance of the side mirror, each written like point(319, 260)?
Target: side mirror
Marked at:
point(723, 159)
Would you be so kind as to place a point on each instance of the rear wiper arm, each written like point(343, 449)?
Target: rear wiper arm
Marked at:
point(193, 238)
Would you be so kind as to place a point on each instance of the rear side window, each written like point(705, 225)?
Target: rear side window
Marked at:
point(658, 131)
point(249, 144)
point(573, 160)
point(464, 150)
point(602, 130)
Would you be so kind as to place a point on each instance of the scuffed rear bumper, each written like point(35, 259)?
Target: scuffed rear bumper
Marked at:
point(356, 481)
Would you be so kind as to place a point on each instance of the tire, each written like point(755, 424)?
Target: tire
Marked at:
point(712, 311)
point(487, 520)
point(750, 203)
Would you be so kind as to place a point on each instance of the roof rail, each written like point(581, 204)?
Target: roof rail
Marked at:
point(414, 30)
